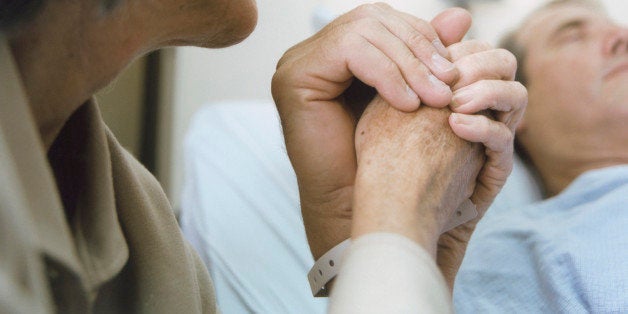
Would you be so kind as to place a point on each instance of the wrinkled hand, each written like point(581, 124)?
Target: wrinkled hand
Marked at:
point(397, 54)
point(409, 162)
point(413, 172)
point(486, 82)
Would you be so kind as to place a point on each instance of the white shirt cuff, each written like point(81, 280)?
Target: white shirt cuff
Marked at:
point(389, 273)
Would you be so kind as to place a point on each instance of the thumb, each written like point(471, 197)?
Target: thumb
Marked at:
point(451, 25)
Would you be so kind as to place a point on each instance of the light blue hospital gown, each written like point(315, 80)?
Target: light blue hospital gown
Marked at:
point(567, 254)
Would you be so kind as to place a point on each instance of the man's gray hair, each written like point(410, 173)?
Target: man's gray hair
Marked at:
point(510, 41)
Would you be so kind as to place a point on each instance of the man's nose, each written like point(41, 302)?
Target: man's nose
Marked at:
point(616, 42)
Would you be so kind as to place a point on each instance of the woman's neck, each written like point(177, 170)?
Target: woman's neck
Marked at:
point(62, 64)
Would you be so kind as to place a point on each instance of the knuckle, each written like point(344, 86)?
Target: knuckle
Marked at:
point(508, 60)
point(482, 45)
point(389, 69)
point(283, 60)
point(410, 63)
point(508, 136)
point(521, 95)
point(500, 135)
point(486, 126)
point(365, 10)
point(492, 91)
point(522, 90)
point(489, 127)
point(383, 5)
point(418, 71)
point(418, 41)
point(348, 40)
point(365, 23)
point(424, 27)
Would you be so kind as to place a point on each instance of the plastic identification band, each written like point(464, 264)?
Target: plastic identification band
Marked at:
point(326, 267)
point(465, 212)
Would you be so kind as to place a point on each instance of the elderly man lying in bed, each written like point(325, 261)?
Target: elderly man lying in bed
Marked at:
point(567, 253)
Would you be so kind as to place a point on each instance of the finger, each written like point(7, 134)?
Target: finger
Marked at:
point(413, 22)
point(491, 179)
point(451, 25)
point(508, 97)
point(333, 62)
point(403, 25)
point(416, 73)
point(417, 35)
point(467, 47)
point(437, 59)
point(498, 140)
point(425, 28)
point(496, 64)
point(480, 129)
point(371, 66)
point(385, 12)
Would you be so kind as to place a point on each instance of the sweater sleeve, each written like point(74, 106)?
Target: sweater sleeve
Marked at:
point(389, 273)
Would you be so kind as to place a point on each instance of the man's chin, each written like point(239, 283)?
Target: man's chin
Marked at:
point(229, 36)
point(208, 42)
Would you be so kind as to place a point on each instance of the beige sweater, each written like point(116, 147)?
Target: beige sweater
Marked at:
point(119, 250)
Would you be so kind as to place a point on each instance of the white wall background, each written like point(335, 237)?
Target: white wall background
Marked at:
point(494, 18)
point(201, 76)
point(244, 71)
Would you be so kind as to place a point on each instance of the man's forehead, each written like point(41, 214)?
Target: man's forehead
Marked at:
point(544, 21)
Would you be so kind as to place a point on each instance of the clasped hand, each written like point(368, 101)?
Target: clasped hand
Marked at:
point(406, 162)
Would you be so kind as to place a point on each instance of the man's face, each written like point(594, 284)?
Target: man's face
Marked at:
point(577, 69)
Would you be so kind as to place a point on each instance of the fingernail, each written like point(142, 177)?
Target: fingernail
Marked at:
point(411, 92)
point(438, 83)
point(440, 48)
point(462, 119)
point(441, 63)
point(461, 97)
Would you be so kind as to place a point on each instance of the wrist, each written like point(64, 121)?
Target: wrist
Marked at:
point(402, 212)
point(327, 216)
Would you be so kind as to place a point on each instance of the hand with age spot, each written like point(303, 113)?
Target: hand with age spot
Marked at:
point(397, 54)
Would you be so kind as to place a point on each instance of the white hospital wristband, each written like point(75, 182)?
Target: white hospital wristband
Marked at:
point(326, 267)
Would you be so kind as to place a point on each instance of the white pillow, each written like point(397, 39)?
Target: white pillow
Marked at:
point(521, 188)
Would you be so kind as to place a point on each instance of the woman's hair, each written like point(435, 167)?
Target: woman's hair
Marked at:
point(14, 12)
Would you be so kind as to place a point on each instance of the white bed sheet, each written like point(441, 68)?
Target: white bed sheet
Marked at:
point(240, 209)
